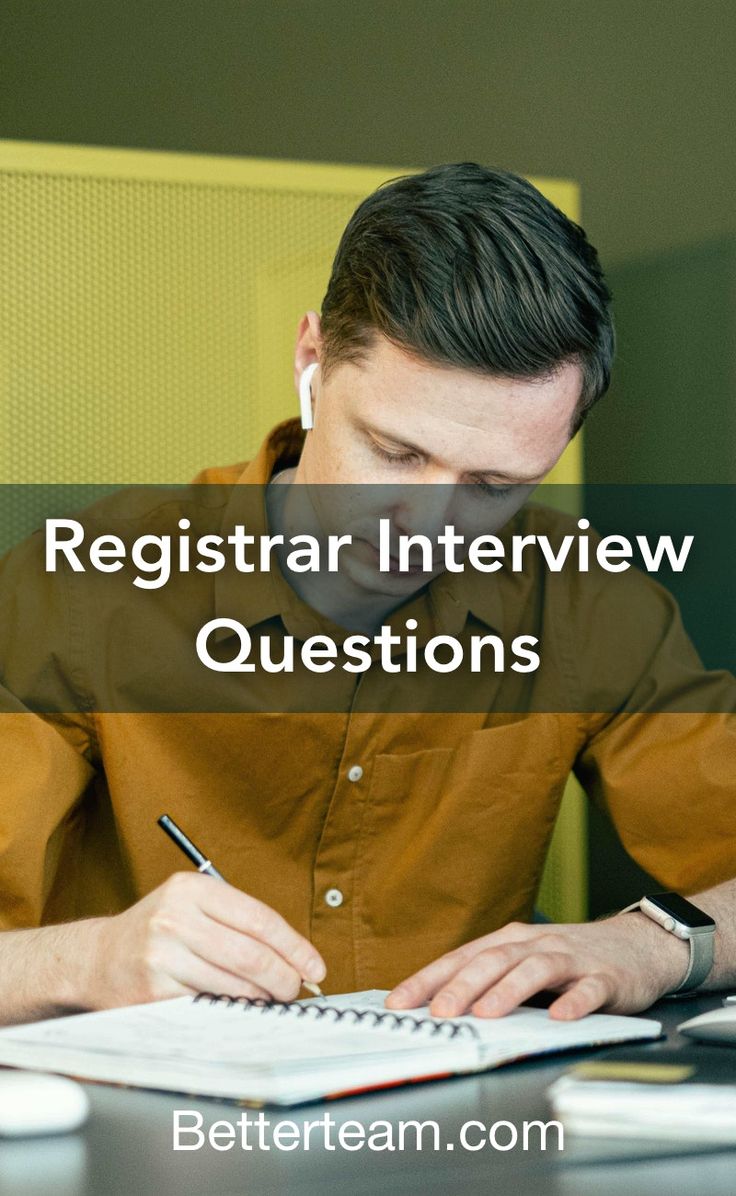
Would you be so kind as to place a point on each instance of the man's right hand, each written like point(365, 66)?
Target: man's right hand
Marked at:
point(197, 934)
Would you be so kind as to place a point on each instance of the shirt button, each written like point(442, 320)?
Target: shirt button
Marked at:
point(355, 773)
point(334, 897)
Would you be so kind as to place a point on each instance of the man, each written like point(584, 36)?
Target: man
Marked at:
point(464, 335)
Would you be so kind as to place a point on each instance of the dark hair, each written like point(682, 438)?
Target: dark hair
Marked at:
point(473, 268)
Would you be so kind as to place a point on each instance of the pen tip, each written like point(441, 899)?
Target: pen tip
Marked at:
point(314, 989)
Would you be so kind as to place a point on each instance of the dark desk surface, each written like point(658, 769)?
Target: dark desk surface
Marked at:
point(126, 1147)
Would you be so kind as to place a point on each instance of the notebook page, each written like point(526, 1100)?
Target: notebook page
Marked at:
point(218, 1034)
point(525, 1031)
point(287, 1055)
point(229, 1050)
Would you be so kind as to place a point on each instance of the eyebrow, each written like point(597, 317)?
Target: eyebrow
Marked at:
point(414, 448)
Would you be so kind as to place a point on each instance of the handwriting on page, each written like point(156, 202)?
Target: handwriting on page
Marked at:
point(215, 1034)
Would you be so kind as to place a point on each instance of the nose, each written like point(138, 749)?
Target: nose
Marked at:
point(422, 509)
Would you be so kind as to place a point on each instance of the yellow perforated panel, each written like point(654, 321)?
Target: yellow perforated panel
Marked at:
point(149, 304)
point(148, 307)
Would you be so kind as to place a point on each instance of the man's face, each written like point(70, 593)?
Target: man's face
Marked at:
point(426, 446)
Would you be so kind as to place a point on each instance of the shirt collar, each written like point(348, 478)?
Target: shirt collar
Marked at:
point(255, 597)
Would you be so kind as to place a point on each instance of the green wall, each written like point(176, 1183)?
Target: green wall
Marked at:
point(670, 415)
point(634, 98)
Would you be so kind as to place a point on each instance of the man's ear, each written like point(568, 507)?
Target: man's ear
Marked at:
point(308, 346)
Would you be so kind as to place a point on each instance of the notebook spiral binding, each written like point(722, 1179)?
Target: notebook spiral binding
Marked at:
point(387, 1020)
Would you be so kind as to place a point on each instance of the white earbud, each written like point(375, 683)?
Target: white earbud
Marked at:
point(305, 395)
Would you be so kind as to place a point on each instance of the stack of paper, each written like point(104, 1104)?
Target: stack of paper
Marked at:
point(687, 1093)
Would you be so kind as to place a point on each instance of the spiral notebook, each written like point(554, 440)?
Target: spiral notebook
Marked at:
point(287, 1053)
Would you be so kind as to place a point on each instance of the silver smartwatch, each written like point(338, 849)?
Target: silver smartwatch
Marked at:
point(683, 919)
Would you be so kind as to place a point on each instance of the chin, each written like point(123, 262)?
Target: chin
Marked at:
point(370, 578)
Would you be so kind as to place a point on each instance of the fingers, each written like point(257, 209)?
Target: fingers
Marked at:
point(531, 975)
point(198, 931)
point(509, 970)
point(420, 988)
point(234, 909)
point(585, 996)
point(240, 957)
point(195, 975)
point(493, 975)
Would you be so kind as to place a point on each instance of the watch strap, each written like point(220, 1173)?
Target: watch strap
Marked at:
point(701, 962)
point(701, 957)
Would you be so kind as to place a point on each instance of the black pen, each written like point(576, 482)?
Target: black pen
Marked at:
point(203, 864)
point(184, 843)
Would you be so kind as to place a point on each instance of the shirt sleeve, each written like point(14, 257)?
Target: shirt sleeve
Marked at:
point(660, 755)
point(46, 737)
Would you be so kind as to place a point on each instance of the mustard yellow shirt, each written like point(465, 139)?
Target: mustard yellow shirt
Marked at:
point(385, 836)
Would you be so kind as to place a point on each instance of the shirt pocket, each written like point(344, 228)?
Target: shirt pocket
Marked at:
point(454, 838)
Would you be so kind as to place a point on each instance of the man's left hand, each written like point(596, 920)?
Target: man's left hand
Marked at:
point(620, 965)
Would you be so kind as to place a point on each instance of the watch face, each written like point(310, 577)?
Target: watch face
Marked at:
point(681, 910)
